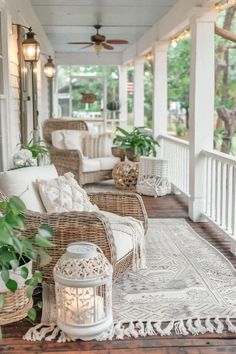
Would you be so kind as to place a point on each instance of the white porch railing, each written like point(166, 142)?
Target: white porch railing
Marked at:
point(221, 190)
point(176, 152)
point(219, 181)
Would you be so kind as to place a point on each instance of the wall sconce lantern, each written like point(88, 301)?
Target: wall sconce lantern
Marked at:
point(30, 47)
point(49, 68)
point(83, 286)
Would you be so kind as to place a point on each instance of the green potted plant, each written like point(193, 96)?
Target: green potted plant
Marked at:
point(30, 154)
point(18, 251)
point(137, 143)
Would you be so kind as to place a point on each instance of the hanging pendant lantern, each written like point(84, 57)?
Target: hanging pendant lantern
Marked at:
point(83, 286)
point(49, 68)
point(30, 47)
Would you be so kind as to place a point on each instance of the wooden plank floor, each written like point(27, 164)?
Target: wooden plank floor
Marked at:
point(164, 207)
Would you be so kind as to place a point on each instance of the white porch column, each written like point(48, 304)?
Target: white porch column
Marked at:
point(139, 91)
point(160, 113)
point(201, 107)
point(123, 95)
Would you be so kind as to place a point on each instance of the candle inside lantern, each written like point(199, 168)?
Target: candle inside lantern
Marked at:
point(82, 307)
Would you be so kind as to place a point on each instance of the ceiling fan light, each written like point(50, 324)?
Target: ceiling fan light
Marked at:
point(98, 48)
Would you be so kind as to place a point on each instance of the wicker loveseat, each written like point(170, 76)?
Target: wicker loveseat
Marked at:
point(86, 170)
point(73, 226)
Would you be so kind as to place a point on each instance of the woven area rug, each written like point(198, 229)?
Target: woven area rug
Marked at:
point(188, 288)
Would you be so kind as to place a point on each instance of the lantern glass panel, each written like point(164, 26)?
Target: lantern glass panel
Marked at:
point(31, 51)
point(82, 306)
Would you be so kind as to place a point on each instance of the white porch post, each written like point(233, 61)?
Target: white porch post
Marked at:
point(123, 95)
point(201, 108)
point(139, 91)
point(160, 113)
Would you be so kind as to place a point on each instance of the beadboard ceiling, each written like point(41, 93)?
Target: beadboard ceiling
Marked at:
point(73, 20)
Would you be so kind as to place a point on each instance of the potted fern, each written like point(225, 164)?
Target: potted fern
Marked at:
point(137, 143)
point(18, 251)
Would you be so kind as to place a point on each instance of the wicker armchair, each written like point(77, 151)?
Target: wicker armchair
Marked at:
point(71, 160)
point(89, 226)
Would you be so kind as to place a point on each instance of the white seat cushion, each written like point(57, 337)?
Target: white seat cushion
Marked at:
point(21, 183)
point(108, 163)
point(63, 194)
point(91, 165)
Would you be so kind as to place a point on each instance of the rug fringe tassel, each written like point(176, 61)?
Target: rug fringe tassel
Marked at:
point(220, 326)
point(231, 327)
point(193, 326)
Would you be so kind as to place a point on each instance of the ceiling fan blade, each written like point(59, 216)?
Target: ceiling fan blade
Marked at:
point(107, 46)
point(87, 46)
point(80, 43)
point(117, 41)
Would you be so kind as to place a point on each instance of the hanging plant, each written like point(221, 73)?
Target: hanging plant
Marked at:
point(113, 106)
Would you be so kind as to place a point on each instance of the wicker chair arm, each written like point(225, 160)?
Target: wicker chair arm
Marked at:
point(73, 227)
point(66, 160)
point(124, 204)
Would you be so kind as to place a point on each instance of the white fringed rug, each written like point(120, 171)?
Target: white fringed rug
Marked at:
point(188, 288)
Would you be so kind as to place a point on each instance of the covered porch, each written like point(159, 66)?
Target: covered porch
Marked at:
point(203, 179)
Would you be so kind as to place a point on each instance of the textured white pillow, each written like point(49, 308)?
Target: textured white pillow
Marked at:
point(64, 194)
point(58, 139)
point(73, 140)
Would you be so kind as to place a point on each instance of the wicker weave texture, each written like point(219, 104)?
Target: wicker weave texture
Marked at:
point(16, 306)
point(125, 175)
point(59, 124)
point(153, 177)
point(86, 226)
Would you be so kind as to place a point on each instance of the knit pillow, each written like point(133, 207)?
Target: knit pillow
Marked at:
point(64, 194)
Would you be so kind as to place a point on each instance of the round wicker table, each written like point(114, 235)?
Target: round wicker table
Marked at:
point(125, 175)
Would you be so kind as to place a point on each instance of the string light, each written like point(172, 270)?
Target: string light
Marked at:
point(182, 35)
point(149, 56)
point(224, 4)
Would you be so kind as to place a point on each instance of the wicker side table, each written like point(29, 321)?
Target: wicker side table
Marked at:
point(125, 175)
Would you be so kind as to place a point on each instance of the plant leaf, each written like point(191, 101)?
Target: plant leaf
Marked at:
point(1, 301)
point(40, 304)
point(32, 314)
point(45, 231)
point(44, 258)
point(11, 285)
point(43, 242)
point(5, 274)
point(5, 236)
point(24, 272)
point(16, 203)
point(14, 264)
point(29, 292)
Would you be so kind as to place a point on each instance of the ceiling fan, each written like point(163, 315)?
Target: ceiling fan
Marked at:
point(99, 42)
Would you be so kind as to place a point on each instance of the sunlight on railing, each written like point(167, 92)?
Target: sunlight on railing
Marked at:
point(176, 152)
point(221, 190)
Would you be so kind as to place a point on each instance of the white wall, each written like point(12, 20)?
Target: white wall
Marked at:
point(21, 12)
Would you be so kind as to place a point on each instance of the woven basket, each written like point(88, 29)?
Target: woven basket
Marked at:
point(16, 306)
point(118, 152)
point(153, 177)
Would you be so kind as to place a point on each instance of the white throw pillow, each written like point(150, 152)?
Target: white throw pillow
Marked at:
point(21, 182)
point(105, 142)
point(64, 194)
point(58, 139)
point(73, 140)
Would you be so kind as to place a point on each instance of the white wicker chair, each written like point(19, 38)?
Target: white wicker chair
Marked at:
point(153, 177)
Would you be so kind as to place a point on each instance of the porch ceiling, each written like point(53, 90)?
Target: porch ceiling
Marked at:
point(72, 20)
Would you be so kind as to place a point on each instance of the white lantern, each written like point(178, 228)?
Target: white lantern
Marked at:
point(83, 285)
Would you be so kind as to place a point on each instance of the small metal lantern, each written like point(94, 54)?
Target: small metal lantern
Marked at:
point(83, 285)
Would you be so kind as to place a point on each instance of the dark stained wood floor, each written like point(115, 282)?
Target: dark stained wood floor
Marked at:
point(164, 207)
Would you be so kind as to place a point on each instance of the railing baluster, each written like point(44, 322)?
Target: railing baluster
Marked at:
point(233, 208)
